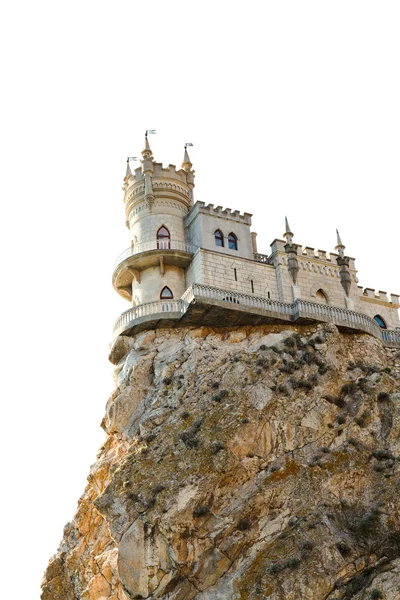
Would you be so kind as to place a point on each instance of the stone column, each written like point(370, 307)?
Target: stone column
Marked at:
point(254, 241)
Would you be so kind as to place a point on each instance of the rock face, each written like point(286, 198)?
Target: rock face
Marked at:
point(255, 462)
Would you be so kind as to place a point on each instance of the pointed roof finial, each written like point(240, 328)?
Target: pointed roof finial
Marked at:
point(128, 169)
point(288, 234)
point(339, 246)
point(146, 146)
point(186, 165)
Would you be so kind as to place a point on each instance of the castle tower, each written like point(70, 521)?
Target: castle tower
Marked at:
point(157, 199)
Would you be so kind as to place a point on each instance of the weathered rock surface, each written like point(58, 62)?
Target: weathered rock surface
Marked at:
point(256, 462)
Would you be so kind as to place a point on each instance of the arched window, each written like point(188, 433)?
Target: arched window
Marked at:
point(166, 294)
point(320, 297)
point(380, 322)
point(232, 241)
point(163, 238)
point(219, 238)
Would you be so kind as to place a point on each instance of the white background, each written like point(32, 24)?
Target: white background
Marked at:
point(292, 107)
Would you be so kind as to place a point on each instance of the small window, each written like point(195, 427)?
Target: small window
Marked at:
point(232, 241)
point(163, 238)
point(252, 286)
point(235, 273)
point(219, 238)
point(380, 322)
point(166, 294)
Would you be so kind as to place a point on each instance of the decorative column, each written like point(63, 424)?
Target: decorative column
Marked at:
point(147, 170)
point(345, 275)
point(254, 241)
point(187, 167)
point(293, 263)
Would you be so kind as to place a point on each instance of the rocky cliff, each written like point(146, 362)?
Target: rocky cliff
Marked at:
point(256, 462)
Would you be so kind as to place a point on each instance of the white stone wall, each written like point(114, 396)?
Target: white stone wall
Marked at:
point(315, 273)
point(201, 227)
point(389, 314)
point(218, 270)
point(152, 282)
point(144, 223)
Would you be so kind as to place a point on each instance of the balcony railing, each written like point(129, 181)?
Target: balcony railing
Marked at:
point(287, 311)
point(262, 258)
point(155, 245)
point(148, 309)
point(205, 291)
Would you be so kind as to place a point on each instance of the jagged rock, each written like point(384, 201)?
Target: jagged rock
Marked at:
point(241, 463)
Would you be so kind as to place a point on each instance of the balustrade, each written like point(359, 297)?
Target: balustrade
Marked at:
point(155, 245)
point(299, 308)
point(262, 258)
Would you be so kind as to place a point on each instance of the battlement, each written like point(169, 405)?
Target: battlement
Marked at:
point(372, 294)
point(161, 172)
point(311, 253)
point(219, 211)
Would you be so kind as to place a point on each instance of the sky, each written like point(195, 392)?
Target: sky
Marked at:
point(292, 108)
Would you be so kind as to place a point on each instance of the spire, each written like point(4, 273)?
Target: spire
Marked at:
point(288, 234)
point(146, 152)
point(186, 165)
point(128, 170)
point(339, 246)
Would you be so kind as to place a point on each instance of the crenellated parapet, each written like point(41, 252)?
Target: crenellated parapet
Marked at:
point(219, 211)
point(166, 183)
point(378, 296)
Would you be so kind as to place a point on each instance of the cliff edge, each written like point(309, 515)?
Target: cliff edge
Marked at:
point(252, 462)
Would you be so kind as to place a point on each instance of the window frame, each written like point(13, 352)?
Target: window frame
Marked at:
point(232, 239)
point(218, 235)
point(169, 290)
point(163, 238)
point(378, 319)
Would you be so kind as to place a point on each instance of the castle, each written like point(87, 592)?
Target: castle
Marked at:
point(191, 263)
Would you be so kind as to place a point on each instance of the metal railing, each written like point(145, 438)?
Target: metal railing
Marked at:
point(299, 308)
point(155, 245)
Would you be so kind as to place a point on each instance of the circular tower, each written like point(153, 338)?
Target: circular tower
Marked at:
point(157, 200)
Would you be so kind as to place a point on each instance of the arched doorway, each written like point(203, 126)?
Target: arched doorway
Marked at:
point(380, 322)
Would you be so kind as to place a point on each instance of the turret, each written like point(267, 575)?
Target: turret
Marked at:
point(291, 250)
point(343, 262)
point(157, 199)
point(187, 167)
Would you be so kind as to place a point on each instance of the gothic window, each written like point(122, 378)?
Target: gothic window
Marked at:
point(380, 322)
point(163, 238)
point(219, 238)
point(166, 294)
point(321, 297)
point(232, 241)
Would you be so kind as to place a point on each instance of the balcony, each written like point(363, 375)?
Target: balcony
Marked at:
point(155, 245)
point(145, 255)
point(206, 305)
